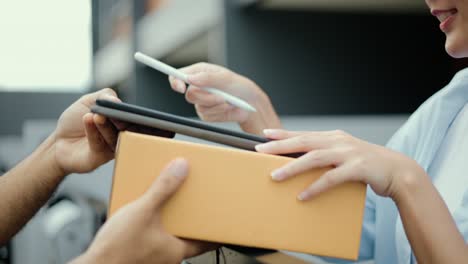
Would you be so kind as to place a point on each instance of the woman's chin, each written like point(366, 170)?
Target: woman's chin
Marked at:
point(455, 48)
point(454, 53)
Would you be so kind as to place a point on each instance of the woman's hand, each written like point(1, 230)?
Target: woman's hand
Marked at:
point(352, 159)
point(135, 233)
point(213, 108)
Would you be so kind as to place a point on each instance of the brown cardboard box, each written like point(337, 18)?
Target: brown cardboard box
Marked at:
point(230, 198)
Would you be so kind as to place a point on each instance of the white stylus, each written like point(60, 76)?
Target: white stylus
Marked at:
point(164, 68)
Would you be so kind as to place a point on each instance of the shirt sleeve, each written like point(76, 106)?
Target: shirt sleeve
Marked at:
point(366, 250)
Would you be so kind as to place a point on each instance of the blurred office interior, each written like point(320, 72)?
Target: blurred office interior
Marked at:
point(361, 66)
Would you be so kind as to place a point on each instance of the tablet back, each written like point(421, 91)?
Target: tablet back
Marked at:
point(230, 198)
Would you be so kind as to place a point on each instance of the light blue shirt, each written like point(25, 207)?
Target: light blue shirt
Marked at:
point(421, 138)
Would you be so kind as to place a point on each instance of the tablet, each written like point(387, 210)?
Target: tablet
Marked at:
point(180, 125)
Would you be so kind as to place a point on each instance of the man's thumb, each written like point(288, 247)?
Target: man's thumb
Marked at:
point(167, 183)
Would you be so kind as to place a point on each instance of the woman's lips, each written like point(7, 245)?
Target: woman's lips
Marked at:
point(445, 17)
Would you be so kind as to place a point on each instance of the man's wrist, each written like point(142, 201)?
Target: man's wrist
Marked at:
point(48, 153)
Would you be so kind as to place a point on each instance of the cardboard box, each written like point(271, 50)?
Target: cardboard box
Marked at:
point(229, 197)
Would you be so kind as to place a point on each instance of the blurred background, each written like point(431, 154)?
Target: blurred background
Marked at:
point(362, 66)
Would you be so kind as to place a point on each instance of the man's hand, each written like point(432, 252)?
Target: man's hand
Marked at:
point(75, 146)
point(135, 233)
point(83, 140)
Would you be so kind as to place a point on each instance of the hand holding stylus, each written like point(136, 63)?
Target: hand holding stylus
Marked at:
point(213, 105)
point(164, 68)
point(212, 108)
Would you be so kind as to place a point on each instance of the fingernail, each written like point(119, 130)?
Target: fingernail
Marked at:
point(180, 87)
point(262, 147)
point(179, 168)
point(88, 118)
point(99, 119)
point(259, 147)
point(269, 132)
point(302, 196)
point(194, 78)
point(277, 175)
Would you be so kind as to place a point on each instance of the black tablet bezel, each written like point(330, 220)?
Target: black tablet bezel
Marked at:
point(177, 119)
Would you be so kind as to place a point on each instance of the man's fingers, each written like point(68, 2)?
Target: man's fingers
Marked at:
point(120, 125)
point(106, 93)
point(151, 131)
point(194, 248)
point(167, 183)
point(95, 141)
point(108, 132)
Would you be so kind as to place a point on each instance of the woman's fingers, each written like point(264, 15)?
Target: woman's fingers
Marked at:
point(218, 113)
point(198, 96)
point(335, 149)
point(300, 143)
point(315, 159)
point(201, 67)
point(327, 181)
point(325, 149)
point(295, 142)
point(216, 78)
point(281, 133)
point(177, 85)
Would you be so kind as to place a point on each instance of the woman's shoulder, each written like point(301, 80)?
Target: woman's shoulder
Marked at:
point(462, 75)
point(455, 91)
point(426, 127)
